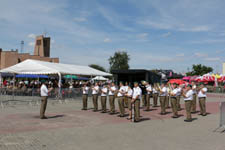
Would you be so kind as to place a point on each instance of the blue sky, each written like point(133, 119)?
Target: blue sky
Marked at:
point(162, 34)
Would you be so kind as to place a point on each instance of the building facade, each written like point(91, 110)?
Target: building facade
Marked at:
point(223, 68)
point(41, 52)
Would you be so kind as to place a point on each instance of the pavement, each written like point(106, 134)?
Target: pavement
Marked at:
point(70, 128)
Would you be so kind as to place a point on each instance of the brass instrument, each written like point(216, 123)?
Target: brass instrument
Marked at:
point(170, 90)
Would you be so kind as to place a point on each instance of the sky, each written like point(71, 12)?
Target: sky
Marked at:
point(157, 34)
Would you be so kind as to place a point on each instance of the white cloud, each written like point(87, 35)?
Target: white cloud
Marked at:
point(166, 34)
point(142, 35)
point(31, 43)
point(212, 59)
point(107, 40)
point(32, 36)
point(80, 19)
point(198, 54)
point(180, 55)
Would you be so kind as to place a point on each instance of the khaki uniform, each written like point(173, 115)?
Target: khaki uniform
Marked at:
point(148, 101)
point(202, 105)
point(44, 101)
point(125, 101)
point(188, 105)
point(155, 99)
point(103, 103)
point(178, 103)
point(112, 103)
point(173, 101)
point(137, 109)
point(85, 99)
point(167, 101)
point(121, 105)
point(95, 101)
point(163, 104)
point(193, 107)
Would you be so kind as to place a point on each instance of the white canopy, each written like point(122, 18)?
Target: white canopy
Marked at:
point(30, 66)
point(100, 78)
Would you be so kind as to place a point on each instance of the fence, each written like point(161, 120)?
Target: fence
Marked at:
point(11, 97)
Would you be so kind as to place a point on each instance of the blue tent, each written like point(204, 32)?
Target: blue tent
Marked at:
point(30, 76)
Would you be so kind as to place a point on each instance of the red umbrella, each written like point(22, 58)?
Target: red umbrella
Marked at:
point(177, 81)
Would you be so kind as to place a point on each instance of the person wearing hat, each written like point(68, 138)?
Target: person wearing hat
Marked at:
point(120, 96)
point(148, 96)
point(125, 97)
point(194, 89)
point(188, 97)
point(155, 95)
point(85, 90)
point(173, 100)
point(112, 92)
point(136, 101)
point(202, 98)
point(179, 91)
point(104, 92)
point(144, 92)
point(129, 95)
point(162, 96)
point(95, 92)
point(44, 91)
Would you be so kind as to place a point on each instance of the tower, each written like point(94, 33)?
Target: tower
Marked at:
point(42, 46)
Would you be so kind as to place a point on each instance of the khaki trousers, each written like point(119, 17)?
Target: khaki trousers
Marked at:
point(155, 99)
point(144, 103)
point(137, 110)
point(95, 101)
point(202, 105)
point(188, 105)
point(148, 102)
point(162, 104)
point(173, 101)
point(85, 99)
point(167, 101)
point(103, 103)
point(125, 101)
point(44, 101)
point(112, 103)
point(193, 107)
point(121, 105)
point(129, 103)
point(178, 103)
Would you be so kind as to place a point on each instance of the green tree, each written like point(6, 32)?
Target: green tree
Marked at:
point(120, 60)
point(97, 67)
point(199, 70)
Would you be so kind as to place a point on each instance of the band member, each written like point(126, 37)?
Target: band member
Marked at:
point(148, 96)
point(85, 90)
point(95, 92)
point(136, 101)
point(202, 98)
point(162, 97)
point(120, 96)
point(44, 98)
point(167, 96)
point(173, 100)
point(144, 92)
point(125, 97)
point(194, 88)
point(188, 97)
point(155, 95)
point(104, 92)
point(129, 95)
point(179, 92)
point(112, 92)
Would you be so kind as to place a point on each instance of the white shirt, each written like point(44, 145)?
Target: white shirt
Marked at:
point(104, 91)
point(95, 90)
point(194, 89)
point(136, 92)
point(174, 92)
point(121, 90)
point(44, 90)
point(188, 96)
point(179, 91)
point(112, 91)
point(164, 92)
point(154, 91)
point(85, 90)
point(126, 88)
point(149, 89)
point(167, 91)
point(201, 94)
point(130, 93)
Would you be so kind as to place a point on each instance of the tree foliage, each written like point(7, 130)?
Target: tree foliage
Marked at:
point(199, 70)
point(97, 67)
point(120, 60)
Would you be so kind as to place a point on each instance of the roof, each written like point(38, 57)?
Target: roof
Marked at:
point(30, 66)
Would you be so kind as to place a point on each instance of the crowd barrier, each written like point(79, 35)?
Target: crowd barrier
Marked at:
point(222, 118)
point(13, 97)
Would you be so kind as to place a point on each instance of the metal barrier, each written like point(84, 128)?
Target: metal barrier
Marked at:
point(13, 97)
point(222, 117)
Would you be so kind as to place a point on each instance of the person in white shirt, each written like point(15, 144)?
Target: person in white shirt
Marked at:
point(162, 96)
point(188, 97)
point(44, 98)
point(167, 103)
point(194, 89)
point(85, 90)
point(129, 95)
point(202, 98)
point(125, 97)
point(179, 90)
point(136, 101)
point(95, 92)
point(148, 96)
point(104, 92)
point(112, 92)
point(155, 95)
point(120, 95)
point(173, 100)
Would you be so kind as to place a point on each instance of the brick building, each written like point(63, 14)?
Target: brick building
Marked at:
point(41, 52)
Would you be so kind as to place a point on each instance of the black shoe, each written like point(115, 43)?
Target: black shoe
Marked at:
point(188, 120)
point(174, 117)
point(203, 114)
point(84, 109)
point(44, 117)
point(94, 110)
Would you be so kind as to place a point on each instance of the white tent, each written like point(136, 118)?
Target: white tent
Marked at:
point(100, 78)
point(30, 66)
